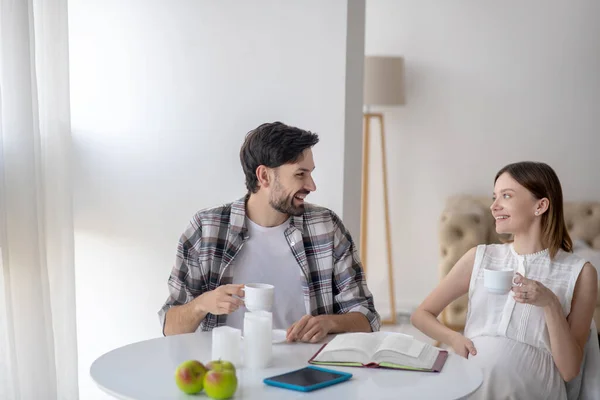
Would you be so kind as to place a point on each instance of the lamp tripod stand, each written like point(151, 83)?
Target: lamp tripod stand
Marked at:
point(367, 117)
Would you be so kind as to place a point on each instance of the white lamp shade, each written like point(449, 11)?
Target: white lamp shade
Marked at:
point(384, 81)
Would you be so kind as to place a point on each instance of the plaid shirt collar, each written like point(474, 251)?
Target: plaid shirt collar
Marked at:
point(237, 220)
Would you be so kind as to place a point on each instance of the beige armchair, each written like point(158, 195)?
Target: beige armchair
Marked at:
point(467, 221)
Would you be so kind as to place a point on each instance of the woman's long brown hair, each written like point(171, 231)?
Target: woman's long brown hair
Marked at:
point(541, 180)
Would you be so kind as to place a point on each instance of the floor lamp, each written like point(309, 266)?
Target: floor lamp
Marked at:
point(383, 86)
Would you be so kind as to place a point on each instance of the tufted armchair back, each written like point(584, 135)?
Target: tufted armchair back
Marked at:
point(467, 221)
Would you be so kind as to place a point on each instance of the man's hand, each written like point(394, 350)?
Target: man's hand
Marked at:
point(221, 300)
point(310, 329)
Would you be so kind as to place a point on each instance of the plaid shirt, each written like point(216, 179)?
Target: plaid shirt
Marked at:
point(334, 284)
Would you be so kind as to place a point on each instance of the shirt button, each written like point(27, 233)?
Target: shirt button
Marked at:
point(293, 243)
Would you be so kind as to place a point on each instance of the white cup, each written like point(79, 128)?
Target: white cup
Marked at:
point(258, 343)
point(226, 343)
point(498, 281)
point(258, 296)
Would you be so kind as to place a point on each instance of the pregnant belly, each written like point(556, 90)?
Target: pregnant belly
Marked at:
point(515, 370)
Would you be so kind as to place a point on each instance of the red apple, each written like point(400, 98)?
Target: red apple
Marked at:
point(220, 365)
point(189, 376)
point(220, 383)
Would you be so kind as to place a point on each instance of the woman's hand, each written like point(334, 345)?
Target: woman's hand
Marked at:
point(532, 292)
point(462, 346)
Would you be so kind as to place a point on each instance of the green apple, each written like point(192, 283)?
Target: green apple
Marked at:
point(189, 376)
point(220, 365)
point(220, 383)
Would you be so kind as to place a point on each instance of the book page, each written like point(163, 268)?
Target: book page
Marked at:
point(425, 360)
point(402, 344)
point(348, 347)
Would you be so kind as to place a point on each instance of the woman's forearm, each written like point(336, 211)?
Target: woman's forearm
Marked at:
point(566, 351)
point(427, 323)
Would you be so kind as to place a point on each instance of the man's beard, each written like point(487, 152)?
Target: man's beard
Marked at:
point(285, 204)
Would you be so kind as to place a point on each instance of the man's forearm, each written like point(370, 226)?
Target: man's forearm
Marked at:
point(183, 319)
point(349, 322)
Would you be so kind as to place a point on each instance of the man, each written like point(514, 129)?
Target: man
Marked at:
point(271, 236)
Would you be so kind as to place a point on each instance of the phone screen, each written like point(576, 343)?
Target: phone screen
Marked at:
point(305, 377)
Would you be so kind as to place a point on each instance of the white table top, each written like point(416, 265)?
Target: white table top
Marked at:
point(146, 370)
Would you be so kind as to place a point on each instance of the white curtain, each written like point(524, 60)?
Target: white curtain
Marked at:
point(38, 340)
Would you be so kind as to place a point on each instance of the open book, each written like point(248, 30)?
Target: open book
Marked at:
point(381, 350)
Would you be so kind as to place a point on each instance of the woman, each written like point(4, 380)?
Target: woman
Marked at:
point(530, 341)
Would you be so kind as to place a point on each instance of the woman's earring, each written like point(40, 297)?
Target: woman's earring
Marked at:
point(537, 213)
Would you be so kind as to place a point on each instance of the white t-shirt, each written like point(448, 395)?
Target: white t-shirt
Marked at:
point(266, 257)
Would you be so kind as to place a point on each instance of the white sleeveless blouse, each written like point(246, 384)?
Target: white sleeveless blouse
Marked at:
point(512, 341)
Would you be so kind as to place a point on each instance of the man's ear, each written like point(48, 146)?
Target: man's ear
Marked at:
point(263, 175)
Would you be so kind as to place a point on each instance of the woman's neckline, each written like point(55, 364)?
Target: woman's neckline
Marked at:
point(537, 253)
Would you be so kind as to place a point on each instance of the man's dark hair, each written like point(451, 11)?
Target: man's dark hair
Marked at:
point(272, 145)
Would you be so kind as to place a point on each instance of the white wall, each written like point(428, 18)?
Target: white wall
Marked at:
point(489, 83)
point(162, 96)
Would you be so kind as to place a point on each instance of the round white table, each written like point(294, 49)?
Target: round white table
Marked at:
point(145, 371)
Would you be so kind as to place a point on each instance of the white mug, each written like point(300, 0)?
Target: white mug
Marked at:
point(498, 281)
point(258, 296)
